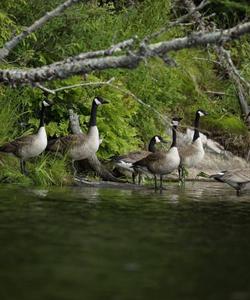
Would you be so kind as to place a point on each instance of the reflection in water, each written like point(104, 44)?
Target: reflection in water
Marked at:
point(87, 243)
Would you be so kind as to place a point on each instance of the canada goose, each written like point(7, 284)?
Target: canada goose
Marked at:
point(193, 153)
point(80, 146)
point(31, 145)
point(160, 162)
point(126, 161)
point(239, 179)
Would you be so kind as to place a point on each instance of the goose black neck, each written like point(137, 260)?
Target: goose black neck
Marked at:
point(196, 127)
point(174, 128)
point(151, 146)
point(92, 121)
point(42, 112)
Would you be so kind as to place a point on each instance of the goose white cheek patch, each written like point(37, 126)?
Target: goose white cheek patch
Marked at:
point(157, 140)
point(45, 103)
point(175, 123)
point(98, 102)
point(201, 113)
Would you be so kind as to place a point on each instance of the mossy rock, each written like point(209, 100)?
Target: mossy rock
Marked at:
point(229, 124)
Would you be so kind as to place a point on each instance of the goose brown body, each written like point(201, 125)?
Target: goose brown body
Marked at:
point(237, 178)
point(192, 154)
point(80, 146)
point(28, 146)
point(126, 161)
point(162, 163)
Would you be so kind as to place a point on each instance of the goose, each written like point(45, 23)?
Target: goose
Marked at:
point(126, 161)
point(31, 145)
point(193, 153)
point(80, 146)
point(238, 178)
point(160, 162)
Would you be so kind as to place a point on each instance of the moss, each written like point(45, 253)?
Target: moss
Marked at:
point(229, 124)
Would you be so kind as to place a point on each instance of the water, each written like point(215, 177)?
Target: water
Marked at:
point(87, 243)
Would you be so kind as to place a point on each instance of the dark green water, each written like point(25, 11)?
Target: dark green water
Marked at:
point(78, 243)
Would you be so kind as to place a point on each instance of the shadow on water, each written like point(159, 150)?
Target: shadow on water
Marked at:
point(90, 243)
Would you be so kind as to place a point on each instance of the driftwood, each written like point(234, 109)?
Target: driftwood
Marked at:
point(92, 162)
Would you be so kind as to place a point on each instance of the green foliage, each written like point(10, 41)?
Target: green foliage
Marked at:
point(230, 124)
point(124, 123)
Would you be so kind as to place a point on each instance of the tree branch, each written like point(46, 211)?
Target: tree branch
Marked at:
point(226, 61)
point(179, 20)
point(130, 60)
point(10, 45)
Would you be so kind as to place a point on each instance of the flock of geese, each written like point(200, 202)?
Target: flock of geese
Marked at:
point(156, 162)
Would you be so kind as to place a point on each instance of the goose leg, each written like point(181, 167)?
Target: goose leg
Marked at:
point(133, 177)
point(74, 168)
point(155, 182)
point(139, 179)
point(181, 175)
point(179, 172)
point(161, 187)
point(23, 167)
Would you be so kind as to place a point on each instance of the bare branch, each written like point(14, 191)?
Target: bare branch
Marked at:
point(233, 68)
point(216, 93)
point(106, 52)
point(68, 87)
point(179, 21)
point(10, 45)
point(45, 89)
point(226, 61)
point(129, 60)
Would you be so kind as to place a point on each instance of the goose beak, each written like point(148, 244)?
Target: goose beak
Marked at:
point(104, 101)
point(164, 141)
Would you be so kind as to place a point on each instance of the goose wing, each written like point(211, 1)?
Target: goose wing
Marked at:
point(236, 175)
point(15, 145)
point(186, 151)
point(131, 157)
point(152, 157)
point(63, 144)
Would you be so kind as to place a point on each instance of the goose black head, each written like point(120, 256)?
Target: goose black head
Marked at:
point(201, 112)
point(99, 100)
point(159, 139)
point(175, 121)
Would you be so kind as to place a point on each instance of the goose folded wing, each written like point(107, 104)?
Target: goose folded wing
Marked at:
point(237, 175)
point(64, 143)
point(13, 146)
point(152, 157)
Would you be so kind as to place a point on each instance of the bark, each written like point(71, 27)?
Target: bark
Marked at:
point(92, 162)
point(130, 60)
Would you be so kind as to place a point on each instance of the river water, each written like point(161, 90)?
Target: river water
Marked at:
point(89, 243)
